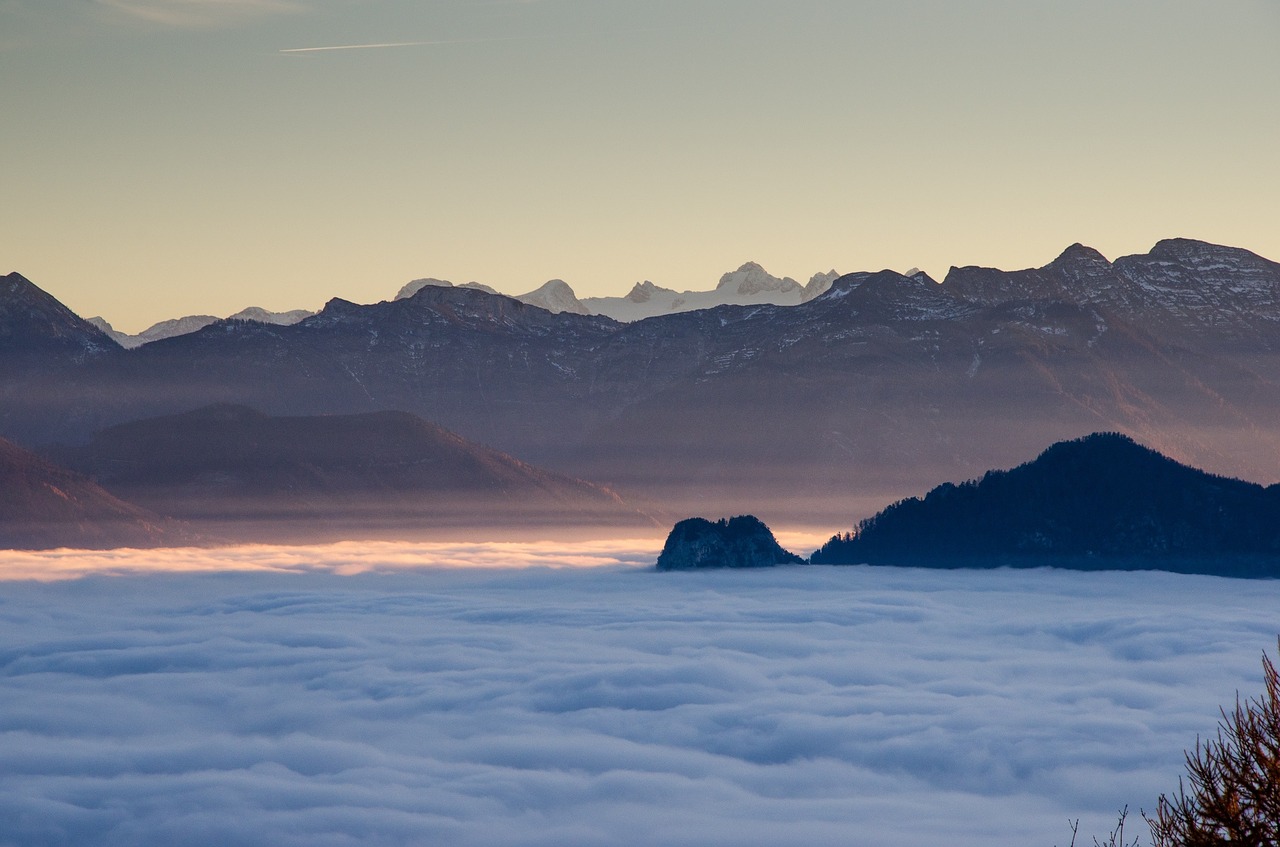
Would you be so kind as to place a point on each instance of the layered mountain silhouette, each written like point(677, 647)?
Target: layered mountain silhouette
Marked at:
point(225, 465)
point(874, 389)
point(191, 323)
point(749, 285)
point(1102, 501)
point(43, 505)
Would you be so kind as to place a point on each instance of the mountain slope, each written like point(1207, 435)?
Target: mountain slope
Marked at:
point(34, 326)
point(43, 505)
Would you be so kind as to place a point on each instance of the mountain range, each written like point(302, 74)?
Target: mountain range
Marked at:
point(868, 391)
point(750, 284)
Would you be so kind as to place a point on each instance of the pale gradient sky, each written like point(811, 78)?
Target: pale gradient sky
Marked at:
point(169, 157)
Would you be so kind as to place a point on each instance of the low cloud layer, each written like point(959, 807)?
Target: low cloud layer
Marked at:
point(347, 558)
point(606, 705)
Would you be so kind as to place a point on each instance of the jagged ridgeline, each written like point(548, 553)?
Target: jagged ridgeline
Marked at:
point(1097, 502)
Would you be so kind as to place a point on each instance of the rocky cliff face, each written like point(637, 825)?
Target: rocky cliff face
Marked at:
point(741, 542)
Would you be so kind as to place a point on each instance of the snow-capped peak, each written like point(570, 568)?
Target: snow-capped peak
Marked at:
point(751, 278)
point(555, 296)
point(819, 284)
point(643, 292)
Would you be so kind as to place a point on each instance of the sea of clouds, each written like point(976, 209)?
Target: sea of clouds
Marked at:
point(382, 694)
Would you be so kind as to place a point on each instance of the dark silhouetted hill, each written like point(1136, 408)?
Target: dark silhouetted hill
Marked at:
point(741, 542)
point(1102, 501)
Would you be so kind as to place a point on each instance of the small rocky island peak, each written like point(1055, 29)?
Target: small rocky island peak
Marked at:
point(741, 542)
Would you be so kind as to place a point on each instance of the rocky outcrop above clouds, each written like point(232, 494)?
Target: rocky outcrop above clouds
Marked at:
point(741, 542)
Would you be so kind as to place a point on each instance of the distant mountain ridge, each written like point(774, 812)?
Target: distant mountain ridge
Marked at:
point(749, 285)
point(1080, 275)
point(881, 385)
point(191, 323)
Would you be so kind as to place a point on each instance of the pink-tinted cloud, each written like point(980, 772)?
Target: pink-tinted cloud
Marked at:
point(349, 557)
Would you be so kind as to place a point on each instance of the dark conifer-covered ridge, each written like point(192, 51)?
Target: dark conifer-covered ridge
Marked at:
point(741, 542)
point(1102, 501)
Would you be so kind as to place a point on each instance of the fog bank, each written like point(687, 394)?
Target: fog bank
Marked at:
point(403, 704)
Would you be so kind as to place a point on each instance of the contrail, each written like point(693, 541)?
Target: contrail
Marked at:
point(401, 44)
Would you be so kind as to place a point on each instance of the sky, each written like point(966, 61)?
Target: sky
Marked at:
point(339, 696)
point(171, 157)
